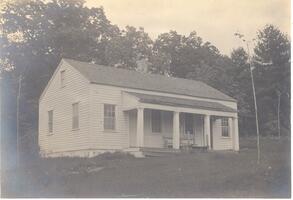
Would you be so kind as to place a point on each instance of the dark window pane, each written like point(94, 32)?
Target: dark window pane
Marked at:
point(225, 127)
point(109, 116)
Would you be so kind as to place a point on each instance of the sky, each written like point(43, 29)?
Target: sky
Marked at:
point(215, 21)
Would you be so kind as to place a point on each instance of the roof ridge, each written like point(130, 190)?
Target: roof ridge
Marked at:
point(136, 76)
point(151, 74)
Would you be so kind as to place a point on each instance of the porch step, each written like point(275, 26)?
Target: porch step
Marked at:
point(199, 148)
point(159, 152)
point(193, 149)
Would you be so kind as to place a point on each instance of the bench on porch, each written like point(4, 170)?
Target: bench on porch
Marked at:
point(185, 143)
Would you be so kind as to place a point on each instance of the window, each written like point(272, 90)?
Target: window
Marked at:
point(109, 117)
point(50, 121)
point(225, 127)
point(75, 116)
point(156, 121)
point(62, 78)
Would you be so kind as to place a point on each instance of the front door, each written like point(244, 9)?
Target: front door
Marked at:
point(189, 128)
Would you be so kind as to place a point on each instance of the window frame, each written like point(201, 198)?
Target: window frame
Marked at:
point(62, 78)
point(109, 117)
point(225, 127)
point(157, 120)
point(75, 116)
point(50, 121)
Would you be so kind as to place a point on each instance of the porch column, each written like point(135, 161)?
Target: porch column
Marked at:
point(176, 130)
point(231, 127)
point(140, 128)
point(235, 134)
point(207, 130)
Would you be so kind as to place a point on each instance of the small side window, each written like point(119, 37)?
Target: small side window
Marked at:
point(62, 78)
point(109, 117)
point(225, 127)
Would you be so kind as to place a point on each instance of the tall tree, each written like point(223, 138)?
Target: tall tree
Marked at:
point(272, 61)
point(35, 36)
point(241, 78)
point(186, 54)
point(129, 47)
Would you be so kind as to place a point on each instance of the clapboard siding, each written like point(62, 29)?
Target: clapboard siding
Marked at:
point(219, 142)
point(60, 100)
point(100, 138)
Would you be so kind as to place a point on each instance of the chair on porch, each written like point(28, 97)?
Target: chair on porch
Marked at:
point(168, 142)
point(185, 144)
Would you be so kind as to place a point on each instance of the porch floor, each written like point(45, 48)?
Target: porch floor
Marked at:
point(147, 151)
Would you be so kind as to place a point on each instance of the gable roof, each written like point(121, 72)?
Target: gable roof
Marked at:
point(100, 74)
point(188, 103)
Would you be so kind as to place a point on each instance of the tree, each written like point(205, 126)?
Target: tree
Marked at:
point(186, 54)
point(35, 36)
point(129, 47)
point(243, 90)
point(272, 61)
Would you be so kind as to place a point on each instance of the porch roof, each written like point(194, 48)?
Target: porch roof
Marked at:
point(179, 102)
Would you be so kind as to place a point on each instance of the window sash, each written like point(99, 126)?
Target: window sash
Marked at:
point(75, 116)
point(225, 127)
point(109, 117)
point(156, 121)
point(50, 121)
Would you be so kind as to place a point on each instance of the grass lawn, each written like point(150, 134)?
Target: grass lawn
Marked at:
point(212, 174)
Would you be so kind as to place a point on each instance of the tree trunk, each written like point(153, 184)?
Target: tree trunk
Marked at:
point(279, 102)
point(17, 120)
point(255, 106)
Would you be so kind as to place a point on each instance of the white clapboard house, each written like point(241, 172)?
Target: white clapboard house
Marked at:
point(88, 109)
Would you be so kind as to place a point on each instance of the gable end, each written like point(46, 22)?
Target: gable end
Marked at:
point(62, 62)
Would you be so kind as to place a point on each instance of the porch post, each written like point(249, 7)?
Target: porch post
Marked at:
point(207, 130)
point(231, 127)
point(176, 130)
point(140, 128)
point(235, 134)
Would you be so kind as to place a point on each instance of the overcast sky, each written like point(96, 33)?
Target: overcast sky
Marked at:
point(215, 21)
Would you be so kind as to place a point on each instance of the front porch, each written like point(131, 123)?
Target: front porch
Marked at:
point(177, 127)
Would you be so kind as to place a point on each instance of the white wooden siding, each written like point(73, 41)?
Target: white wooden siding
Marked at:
point(100, 138)
point(219, 142)
point(60, 100)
